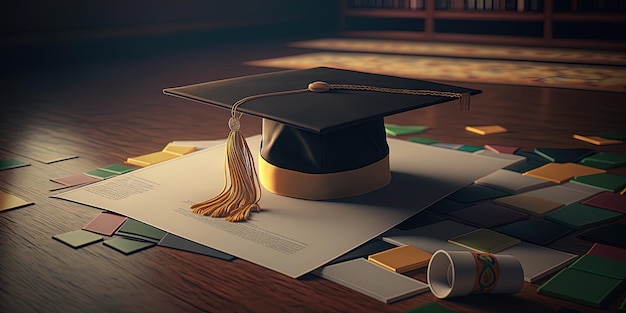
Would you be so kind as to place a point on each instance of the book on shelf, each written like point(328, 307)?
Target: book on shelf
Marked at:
point(386, 4)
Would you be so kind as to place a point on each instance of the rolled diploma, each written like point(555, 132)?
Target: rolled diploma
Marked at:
point(460, 273)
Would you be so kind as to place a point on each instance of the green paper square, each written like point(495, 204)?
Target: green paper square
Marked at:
point(77, 238)
point(422, 140)
point(101, 174)
point(605, 160)
point(581, 216)
point(606, 181)
point(470, 148)
point(136, 229)
point(484, 240)
point(430, 307)
point(128, 246)
point(118, 168)
point(581, 287)
point(399, 130)
point(11, 163)
point(601, 266)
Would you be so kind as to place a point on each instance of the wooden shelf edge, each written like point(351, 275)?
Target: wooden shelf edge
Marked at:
point(589, 17)
point(491, 39)
point(488, 15)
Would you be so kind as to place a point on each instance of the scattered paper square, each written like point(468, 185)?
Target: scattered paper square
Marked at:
point(562, 172)
point(399, 130)
point(529, 204)
point(567, 285)
point(537, 231)
point(601, 266)
point(401, 259)
point(127, 246)
point(486, 129)
point(580, 216)
point(564, 194)
point(105, 223)
point(537, 261)
point(117, 168)
point(608, 252)
point(502, 149)
point(423, 140)
point(512, 182)
point(12, 163)
point(169, 152)
point(597, 140)
point(372, 280)
point(9, 201)
point(77, 238)
point(605, 160)
point(470, 148)
point(484, 240)
point(608, 200)
point(605, 181)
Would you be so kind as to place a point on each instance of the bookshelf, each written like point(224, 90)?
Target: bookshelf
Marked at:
point(597, 24)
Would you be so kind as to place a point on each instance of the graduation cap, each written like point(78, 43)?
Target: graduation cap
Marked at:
point(323, 134)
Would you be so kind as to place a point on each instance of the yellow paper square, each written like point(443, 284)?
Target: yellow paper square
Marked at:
point(597, 140)
point(151, 158)
point(179, 150)
point(9, 201)
point(562, 172)
point(168, 153)
point(486, 129)
point(401, 259)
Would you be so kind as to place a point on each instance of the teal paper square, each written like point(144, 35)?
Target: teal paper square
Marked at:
point(580, 287)
point(581, 216)
point(606, 181)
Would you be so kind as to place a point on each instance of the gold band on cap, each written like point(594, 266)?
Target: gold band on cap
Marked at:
point(324, 186)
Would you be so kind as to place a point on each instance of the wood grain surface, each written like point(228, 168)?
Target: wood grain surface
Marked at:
point(103, 102)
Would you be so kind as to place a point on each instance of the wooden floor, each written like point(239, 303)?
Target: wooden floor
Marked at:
point(103, 102)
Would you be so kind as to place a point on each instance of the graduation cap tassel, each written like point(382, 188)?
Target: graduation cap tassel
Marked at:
point(242, 191)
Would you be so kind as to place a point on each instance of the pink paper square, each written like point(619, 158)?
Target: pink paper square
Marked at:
point(501, 149)
point(608, 200)
point(608, 252)
point(105, 223)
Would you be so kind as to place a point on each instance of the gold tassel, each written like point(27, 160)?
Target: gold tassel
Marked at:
point(242, 191)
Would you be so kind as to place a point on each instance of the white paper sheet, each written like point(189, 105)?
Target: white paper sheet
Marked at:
point(290, 236)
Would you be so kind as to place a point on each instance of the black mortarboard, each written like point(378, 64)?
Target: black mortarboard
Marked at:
point(322, 145)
